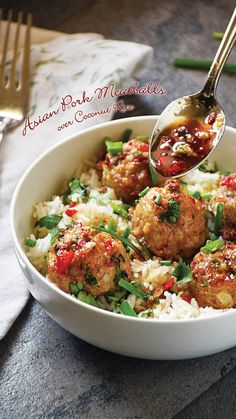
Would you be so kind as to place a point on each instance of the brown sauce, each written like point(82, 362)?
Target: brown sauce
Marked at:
point(182, 146)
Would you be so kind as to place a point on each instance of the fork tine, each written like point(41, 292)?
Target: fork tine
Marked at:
point(5, 43)
point(15, 51)
point(26, 56)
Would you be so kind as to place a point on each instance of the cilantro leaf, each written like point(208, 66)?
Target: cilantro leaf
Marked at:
point(74, 187)
point(212, 245)
point(49, 221)
point(183, 273)
point(173, 212)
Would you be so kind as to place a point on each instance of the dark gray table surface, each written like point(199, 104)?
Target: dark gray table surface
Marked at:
point(45, 371)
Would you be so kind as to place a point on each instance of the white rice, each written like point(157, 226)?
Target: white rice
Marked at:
point(55, 206)
point(150, 272)
point(38, 254)
point(201, 181)
point(174, 307)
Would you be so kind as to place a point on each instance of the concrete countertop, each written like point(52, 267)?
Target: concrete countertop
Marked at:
point(45, 371)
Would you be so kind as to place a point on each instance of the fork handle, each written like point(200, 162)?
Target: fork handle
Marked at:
point(4, 122)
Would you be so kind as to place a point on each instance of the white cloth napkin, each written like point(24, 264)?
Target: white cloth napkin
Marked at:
point(64, 67)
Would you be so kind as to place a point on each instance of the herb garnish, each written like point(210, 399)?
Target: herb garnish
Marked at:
point(121, 209)
point(75, 187)
point(76, 287)
point(90, 279)
point(30, 242)
point(127, 310)
point(212, 245)
point(173, 212)
point(54, 233)
point(182, 272)
point(132, 288)
point(49, 221)
point(126, 242)
point(219, 219)
point(114, 148)
point(126, 135)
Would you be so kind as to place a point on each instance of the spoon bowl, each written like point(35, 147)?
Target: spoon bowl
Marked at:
point(197, 107)
point(190, 127)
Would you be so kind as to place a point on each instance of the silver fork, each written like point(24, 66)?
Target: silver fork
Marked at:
point(14, 87)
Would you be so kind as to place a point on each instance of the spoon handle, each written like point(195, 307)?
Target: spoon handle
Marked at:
point(220, 57)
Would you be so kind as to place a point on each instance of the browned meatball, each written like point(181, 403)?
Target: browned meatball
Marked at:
point(170, 222)
point(93, 258)
point(127, 172)
point(215, 277)
point(226, 195)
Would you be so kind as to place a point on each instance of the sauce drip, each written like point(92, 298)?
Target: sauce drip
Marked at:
point(183, 146)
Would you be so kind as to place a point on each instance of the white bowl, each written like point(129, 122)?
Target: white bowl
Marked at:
point(144, 338)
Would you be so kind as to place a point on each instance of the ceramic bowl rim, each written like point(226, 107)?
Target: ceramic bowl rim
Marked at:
point(53, 286)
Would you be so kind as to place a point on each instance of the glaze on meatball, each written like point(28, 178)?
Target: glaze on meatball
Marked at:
point(226, 195)
point(170, 222)
point(214, 275)
point(127, 172)
point(93, 258)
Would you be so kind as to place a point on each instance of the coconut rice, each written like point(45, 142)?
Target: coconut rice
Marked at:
point(98, 209)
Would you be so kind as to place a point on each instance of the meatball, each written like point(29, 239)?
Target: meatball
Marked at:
point(127, 172)
point(226, 194)
point(92, 258)
point(170, 222)
point(214, 277)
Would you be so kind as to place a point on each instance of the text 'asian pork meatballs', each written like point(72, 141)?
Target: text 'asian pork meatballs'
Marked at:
point(215, 277)
point(127, 172)
point(95, 259)
point(170, 222)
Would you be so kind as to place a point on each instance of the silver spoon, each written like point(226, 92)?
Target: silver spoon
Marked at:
point(196, 107)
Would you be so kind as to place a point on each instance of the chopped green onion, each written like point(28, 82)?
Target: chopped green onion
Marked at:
point(116, 296)
point(165, 262)
point(146, 252)
point(114, 148)
point(144, 192)
point(30, 242)
point(121, 209)
point(76, 187)
point(142, 138)
point(126, 242)
point(218, 35)
point(54, 233)
point(172, 214)
point(76, 287)
point(131, 288)
point(158, 198)
point(49, 221)
point(126, 135)
point(196, 194)
point(107, 139)
point(112, 224)
point(212, 245)
point(126, 233)
point(213, 236)
point(155, 177)
point(182, 272)
point(219, 219)
point(145, 313)
point(206, 196)
point(127, 310)
point(201, 64)
point(226, 173)
point(87, 298)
